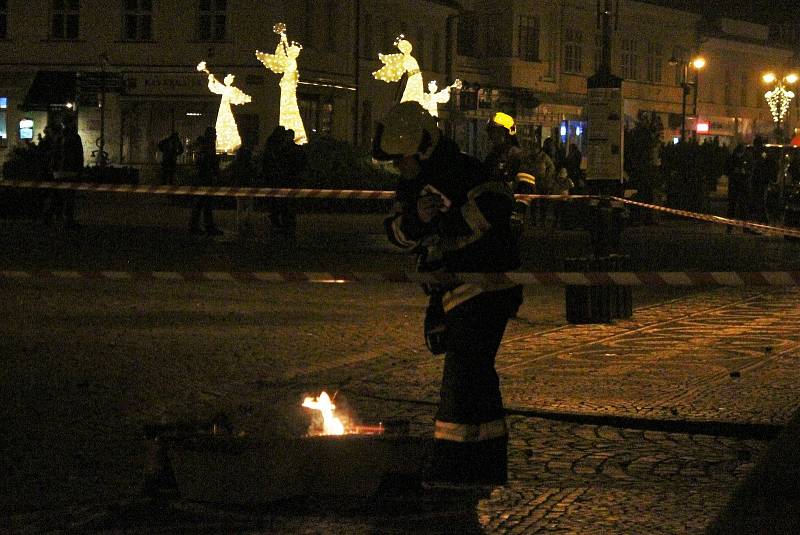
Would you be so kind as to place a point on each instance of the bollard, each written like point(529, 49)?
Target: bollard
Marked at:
point(597, 304)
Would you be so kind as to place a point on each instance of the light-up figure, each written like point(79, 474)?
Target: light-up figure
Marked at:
point(228, 140)
point(396, 65)
point(284, 60)
point(434, 97)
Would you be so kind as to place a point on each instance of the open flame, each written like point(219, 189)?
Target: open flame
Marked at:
point(332, 424)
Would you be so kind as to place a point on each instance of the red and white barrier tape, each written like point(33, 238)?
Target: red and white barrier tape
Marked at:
point(618, 278)
point(362, 194)
point(767, 229)
point(238, 191)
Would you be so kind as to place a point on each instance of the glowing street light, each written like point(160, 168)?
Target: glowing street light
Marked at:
point(696, 63)
point(779, 97)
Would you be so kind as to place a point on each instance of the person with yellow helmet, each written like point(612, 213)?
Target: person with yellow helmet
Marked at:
point(507, 162)
point(457, 219)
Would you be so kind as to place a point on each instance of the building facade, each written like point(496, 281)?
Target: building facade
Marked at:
point(126, 68)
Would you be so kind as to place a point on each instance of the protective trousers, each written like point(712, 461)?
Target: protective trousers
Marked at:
point(470, 437)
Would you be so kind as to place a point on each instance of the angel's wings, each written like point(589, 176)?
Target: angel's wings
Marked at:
point(392, 69)
point(276, 62)
point(237, 96)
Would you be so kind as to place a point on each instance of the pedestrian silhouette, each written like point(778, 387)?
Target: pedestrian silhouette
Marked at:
point(283, 163)
point(207, 174)
point(171, 147)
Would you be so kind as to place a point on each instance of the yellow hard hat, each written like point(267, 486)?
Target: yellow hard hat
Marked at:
point(404, 131)
point(505, 121)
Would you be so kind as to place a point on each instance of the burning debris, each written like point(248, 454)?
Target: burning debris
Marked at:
point(328, 423)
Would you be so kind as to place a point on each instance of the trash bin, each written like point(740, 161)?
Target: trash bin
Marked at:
point(597, 304)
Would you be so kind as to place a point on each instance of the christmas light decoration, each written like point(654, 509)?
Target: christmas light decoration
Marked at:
point(779, 98)
point(228, 140)
point(434, 97)
point(396, 65)
point(284, 60)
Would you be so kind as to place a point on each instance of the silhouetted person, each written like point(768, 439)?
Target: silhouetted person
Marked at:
point(207, 174)
point(171, 147)
point(282, 165)
point(243, 174)
point(67, 162)
point(737, 169)
point(764, 170)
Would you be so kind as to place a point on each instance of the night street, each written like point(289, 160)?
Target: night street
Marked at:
point(645, 425)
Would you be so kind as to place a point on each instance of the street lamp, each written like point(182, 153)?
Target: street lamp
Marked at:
point(696, 63)
point(779, 98)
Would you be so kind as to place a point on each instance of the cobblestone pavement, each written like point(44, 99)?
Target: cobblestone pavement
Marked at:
point(86, 365)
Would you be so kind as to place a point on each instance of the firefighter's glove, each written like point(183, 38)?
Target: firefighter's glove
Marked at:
point(435, 331)
point(429, 206)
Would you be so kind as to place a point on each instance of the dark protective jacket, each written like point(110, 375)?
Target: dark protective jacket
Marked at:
point(472, 232)
point(503, 162)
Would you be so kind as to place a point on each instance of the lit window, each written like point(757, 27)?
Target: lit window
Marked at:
point(211, 20)
point(137, 20)
point(3, 108)
point(25, 129)
point(65, 21)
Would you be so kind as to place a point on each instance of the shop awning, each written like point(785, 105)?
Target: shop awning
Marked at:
point(50, 88)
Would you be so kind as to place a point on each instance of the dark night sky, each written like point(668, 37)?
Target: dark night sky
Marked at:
point(763, 11)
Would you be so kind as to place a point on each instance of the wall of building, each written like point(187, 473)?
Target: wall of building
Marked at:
point(161, 90)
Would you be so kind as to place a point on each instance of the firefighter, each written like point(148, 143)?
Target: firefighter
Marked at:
point(507, 162)
point(457, 219)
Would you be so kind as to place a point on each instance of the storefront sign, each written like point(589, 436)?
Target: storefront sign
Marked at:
point(167, 84)
point(604, 149)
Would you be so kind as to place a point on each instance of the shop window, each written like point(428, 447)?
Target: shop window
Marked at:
point(528, 38)
point(573, 51)
point(317, 115)
point(212, 18)
point(137, 20)
point(65, 19)
point(3, 111)
point(3, 19)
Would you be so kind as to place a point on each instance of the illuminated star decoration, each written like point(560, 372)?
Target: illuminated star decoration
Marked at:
point(228, 140)
point(396, 65)
point(434, 97)
point(284, 60)
point(778, 100)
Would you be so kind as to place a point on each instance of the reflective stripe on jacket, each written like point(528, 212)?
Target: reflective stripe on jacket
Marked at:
point(470, 432)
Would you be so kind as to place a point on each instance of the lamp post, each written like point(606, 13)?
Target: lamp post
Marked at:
point(778, 98)
point(696, 63)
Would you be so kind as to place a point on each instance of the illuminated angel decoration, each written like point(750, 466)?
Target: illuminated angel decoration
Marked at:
point(228, 140)
point(284, 60)
point(396, 65)
point(434, 97)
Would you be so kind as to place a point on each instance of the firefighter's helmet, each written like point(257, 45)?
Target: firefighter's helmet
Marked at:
point(504, 120)
point(406, 130)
